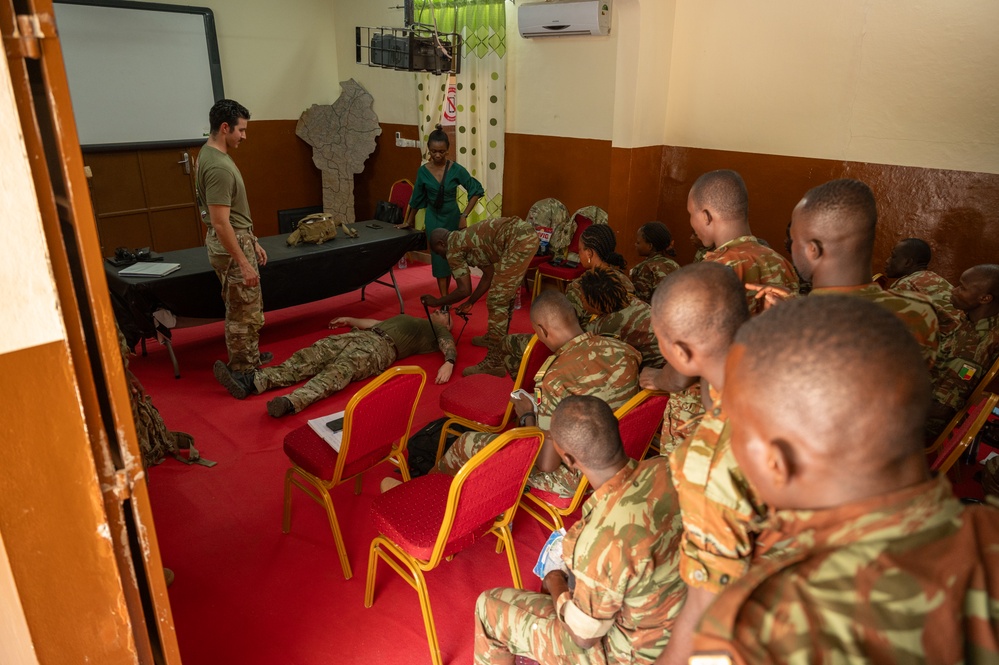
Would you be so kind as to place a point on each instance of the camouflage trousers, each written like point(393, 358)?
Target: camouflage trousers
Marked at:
point(512, 350)
point(508, 276)
point(683, 411)
point(511, 622)
point(561, 481)
point(330, 365)
point(244, 305)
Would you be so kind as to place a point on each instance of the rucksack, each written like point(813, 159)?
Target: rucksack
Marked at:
point(388, 212)
point(422, 446)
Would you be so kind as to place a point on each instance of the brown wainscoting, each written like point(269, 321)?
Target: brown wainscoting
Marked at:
point(634, 195)
point(386, 164)
point(957, 212)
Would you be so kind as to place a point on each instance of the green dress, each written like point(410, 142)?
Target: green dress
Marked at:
point(425, 195)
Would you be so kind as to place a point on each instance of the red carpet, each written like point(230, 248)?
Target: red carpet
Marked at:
point(246, 593)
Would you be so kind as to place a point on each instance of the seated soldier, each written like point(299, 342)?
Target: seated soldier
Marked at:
point(333, 362)
point(654, 243)
point(582, 364)
point(908, 266)
point(618, 314)
point(697, 311)
point(879, 561)
point(970, 350)
point(620, 591)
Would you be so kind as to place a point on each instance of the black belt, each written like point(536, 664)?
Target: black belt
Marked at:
point(384, 335)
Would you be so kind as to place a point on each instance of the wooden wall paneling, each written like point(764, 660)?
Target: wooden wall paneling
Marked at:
point(957, 212)
point(174, 228)
point(634, 194)
point(116, 182)
point(386, 164)
point(173, 212)
point(278, 172)
point(129, 231)
point(575, 171)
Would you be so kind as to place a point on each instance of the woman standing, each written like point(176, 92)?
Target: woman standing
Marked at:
point(436, 189)
point(654, 244)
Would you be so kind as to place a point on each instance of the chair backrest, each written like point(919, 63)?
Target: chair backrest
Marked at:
point(639, 420)
point(985, 385)
point(377, 418)
point(963, 435)
point(534, 357)
point(582, 223)
point(487, 489)
point(400, 193)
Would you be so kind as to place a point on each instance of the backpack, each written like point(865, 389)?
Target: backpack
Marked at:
point(422, 446)
point(317, 229)
point(388, 212)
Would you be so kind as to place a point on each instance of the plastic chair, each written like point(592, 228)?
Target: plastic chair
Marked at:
point(563, 274)
point(433, 517)
point(400, 193)
point(481, 402)
point(638, 421)
point(376, 428)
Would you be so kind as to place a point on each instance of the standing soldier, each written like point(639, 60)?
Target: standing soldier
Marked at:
point(621, 556)
point(233, 250)
point(503, 249)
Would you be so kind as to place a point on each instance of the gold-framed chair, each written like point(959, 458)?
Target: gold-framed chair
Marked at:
point(376, 428)
point(453, 512)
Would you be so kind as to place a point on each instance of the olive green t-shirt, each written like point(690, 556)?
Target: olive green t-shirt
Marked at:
point(219, 183)
point(412, 335)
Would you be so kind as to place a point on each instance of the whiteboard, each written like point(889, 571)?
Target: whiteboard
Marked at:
point(139, 73)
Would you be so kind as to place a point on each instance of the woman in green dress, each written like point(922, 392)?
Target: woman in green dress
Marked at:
point(436, 189)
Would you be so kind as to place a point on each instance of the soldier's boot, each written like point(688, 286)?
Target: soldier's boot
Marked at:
point(487, 366)
point(239, 384)
point(481, 340)
point(280, 406)
point(266, 357)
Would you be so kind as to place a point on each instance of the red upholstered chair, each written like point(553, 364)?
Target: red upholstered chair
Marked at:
point(984, 386)
point(400, 193)
point(375, 429)
point(964, 434)
point(481, 402)
point(424, 521)
point(638, 421)
point(563, 274)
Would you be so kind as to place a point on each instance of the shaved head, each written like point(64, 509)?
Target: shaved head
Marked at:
point(842, 212)
point(907, 257)
point(987, 276)
point(552, 309)
point(585, 427)
point(724, 192)
point(822, 363)
point(701, 304)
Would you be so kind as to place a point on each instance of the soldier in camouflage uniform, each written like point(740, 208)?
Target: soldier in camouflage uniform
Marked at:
point(581, 364)
point(233, 250)
point(333, 362)
point(655, 243)
point(970, 350)
point(832, 233)
point(877, 560)
point(503, 249)
point(697, 311)
point(618, 314)
point(907, 265)
point(621, 556)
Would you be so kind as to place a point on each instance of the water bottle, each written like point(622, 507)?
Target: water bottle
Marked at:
point(516, 300)
point(402, 262)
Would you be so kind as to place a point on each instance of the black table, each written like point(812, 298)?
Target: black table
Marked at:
point(293, 276)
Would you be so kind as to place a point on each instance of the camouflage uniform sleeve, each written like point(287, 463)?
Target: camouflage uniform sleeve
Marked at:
point(445, 342)
point(456, 257)
point(549, 394)
point(574, 293)
point(643, 277)
point(716, 507)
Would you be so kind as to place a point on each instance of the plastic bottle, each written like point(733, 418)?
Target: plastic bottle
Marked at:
point(402, 262)
point(516, 300)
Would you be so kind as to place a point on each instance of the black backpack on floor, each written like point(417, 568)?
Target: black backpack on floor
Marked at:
point(423, 446)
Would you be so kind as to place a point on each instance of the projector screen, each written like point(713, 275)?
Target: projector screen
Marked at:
point(140, 74)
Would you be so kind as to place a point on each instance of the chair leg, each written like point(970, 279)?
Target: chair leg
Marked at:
point(440, 443)
point(428, 614)
point(286, 521)
point(506, 537)
point(400, 459)
point(369, 586)
point(335, 526)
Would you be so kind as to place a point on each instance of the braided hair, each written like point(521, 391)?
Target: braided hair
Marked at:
point(657, 235)
point(602, 240)
point(604, 289)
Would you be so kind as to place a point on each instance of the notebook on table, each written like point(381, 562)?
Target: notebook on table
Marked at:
point(149, 269)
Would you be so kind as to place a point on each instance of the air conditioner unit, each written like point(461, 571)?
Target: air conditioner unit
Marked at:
point(564, 17)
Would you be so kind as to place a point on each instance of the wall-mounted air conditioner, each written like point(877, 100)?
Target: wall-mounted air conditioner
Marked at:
point(564, 17)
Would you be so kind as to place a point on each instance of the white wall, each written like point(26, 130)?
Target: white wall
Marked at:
point(278, 58)
point(909, 82)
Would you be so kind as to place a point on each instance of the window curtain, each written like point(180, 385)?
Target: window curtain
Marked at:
point(480, 126)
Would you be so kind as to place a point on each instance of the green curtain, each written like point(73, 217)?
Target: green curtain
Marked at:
point(480, 127)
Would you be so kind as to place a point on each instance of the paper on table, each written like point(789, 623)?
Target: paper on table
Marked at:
point(149, 269)
point(318, 426)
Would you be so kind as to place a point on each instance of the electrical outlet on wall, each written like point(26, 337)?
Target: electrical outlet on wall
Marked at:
point(405, 143)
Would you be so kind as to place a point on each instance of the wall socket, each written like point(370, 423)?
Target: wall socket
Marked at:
point(405, 143)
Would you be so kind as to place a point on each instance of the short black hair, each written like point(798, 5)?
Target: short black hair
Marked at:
point(848, 207)
point(703, 302)
point(657, 235)
point(438, 136)
point(551, 305)
point(916, 249)
point(585, 427)
point(226, 111)
point(989, 274)
point(604, 289)
point(725, 191)
point(824, 360)
point(602, 240)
